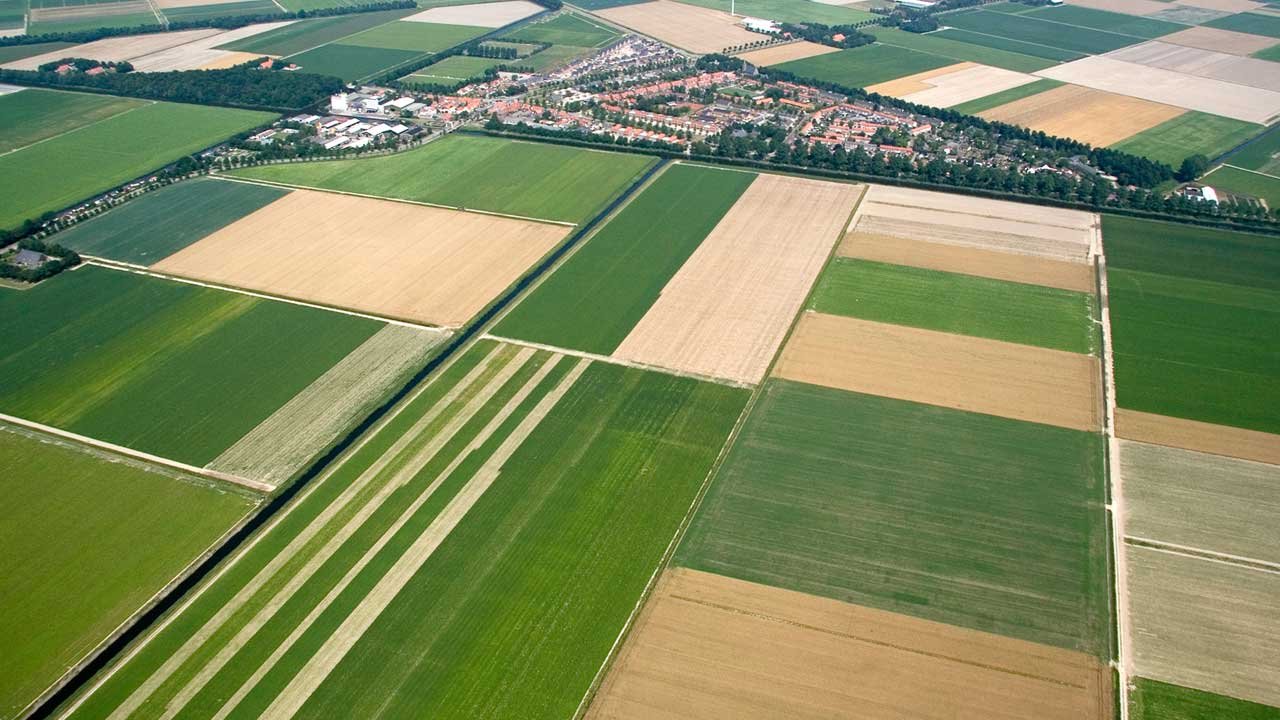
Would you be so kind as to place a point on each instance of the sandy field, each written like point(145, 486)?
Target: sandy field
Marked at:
point(479, 15)
point(916, 83)
point(1165, 86)
point(1203, 63)
point(969, 261)
point(688, 27)
point(1205, 624)
point(104, 9)
point(1226, 41)
point(230, 59)
point(726, 311)
point(117, 48)
point(786, 53)
point(392, 259)
point(1098, 118)
point(1129, 7)
point(1216, 503)
point(203, 51)
point(1195, 435)
point(966, 83)
point(707, 646)
point(955, 371)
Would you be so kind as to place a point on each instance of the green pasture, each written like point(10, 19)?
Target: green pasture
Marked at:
point(956, 517)
point(1245, 182)
point(597, 296)
point(1190, 133)
point(1004, 97)
point(307, 34)
point(866, 65)
point(553, 57)
point(413, 36)
point(1252, 23)
point(564, 29)
point(1004, 44)
point(455, 69)
point(791, 11)
point(352, 62)
point(520, 178)
point(1260, 154)
point(34, 114)
point(958, 51)
point(1272, 53)
point(1155, 700)
point(1221, 256)
point(1037, 31)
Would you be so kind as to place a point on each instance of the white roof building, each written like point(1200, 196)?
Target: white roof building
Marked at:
point(400, 103)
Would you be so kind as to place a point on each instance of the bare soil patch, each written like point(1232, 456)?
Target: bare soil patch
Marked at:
point(492, 15)
point(786, 53)
point(915, 83)
point(956, 371)
point(688, 27)
point(962, 85)
point(117, 48)
point(1226, 41)
point(389, 258)
point(1092, 116)
point(1196, 435)
point(1203, 63)
point(708, 646)
point(969, 261)
point(202, 51)
point(726, 311)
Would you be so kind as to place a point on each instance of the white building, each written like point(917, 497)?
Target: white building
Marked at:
point(400, 104)
point(338, 103)
point(760, 26)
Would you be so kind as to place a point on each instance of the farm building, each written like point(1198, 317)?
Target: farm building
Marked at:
point(29, 259)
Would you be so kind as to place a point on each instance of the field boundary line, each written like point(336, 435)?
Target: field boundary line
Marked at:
point(277, 4)
point(145, 103)
point(142, 270)
point(1242, 169)
point(423, 203)
point(139, 455)
point(609, 359)
point(1024, 42)
point(1242, 561)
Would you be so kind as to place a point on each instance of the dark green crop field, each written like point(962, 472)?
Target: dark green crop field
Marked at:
point(964, 304)
point(352, 62)
point(35, 114)
point(1103, 20)
point(1041, 32)
point(940, 44)
point(536, 180)
point(414, 36)
point(564, 29)
point(1253, 23)
point(1232, 258)
point(968, 519)
point(1154, 700)
point(91, 538)
point(1190, 133)
point(17, 52)
point(1049, 55)
point(593, 300)
point(168, 368)
point(148, 229)
point(866, 65)
point(306, 34)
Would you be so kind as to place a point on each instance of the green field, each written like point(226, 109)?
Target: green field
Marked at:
point(595, 298)
point(454, 69)
point(414, 36)
point(956, 517)
point(12, 13)
point(1195, 316)
point(164, 367)
point(1109, 21)
point(1272, 53)
point(351, 62)
point(1154, 700)
point(34, 114)
point(791, 11)
point(1004, 44)
point(18, 52)
point(306, 34)
point(553, 57)
point(1260, 154)
point(520, 178)
point(1190, 133)
point(1034, 30)
point(147, 229)
point(973, 107)
point(866, 65)
point(93, 23)
point(92, 538)
point(564, 29)
point(205, 12)
point(72, 167)
point(1252, 23)
point(963, 304)
point(1245, 182)
point(937, 44)
point(551, 529)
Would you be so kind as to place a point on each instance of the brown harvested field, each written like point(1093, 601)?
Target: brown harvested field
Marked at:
point(1092, 116)
point(1205, 624)
point(726, 311)
point(707, 646)
point(230, 59)
point(1215, 503)
point(956, 371)
point(1129, 7)
point(202, 51)
point(915, 83)
point(689, 27)
point(786, 53)
point(969, 261)
point(493, 15)
point(964, 82)
point(1199, 436)
point(1203, 63)
point(388, 258)
point(1226, 41)
point(117, 48)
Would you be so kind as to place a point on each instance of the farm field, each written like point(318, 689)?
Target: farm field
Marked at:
point(1203, 63)
point(964, 304)
point(1154, 700)
point(1091, 116)
point(18, 52)
point(1247, 22)
point(943, 45)
point(36, 114)
point(63, 170)
point(951, 85)
point(154, 226)
point(866, 65)
point(1227, 41)
point(1245, 182)
point(502, 524)
point(1029, 29)
point(60, 597)
point(1260, 154)
point(553, 57)
point(1188, 134)
point(699, 646)
point(307, 34)
point(454, 69)
point(793, 11)
point(177, 370)
point(468, 258)
point(689, 27)
point(478, 173)
point(119, 48)
point(976, 106)
point(564, 29)
point(1199, 436)
point(1103, 20)
point(1047, 54)
point(351, 62)
point(484, 14)
point(882, 503)
point(418, 37)
point(779, 54)
point(202, 52)
point(158, 52)
point(594, 299)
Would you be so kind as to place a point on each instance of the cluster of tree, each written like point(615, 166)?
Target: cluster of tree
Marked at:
point(222, 23)
point(915, 22)
point(244, 86)
point(496, 52)
point(60, 258)
point(839, 36)
point(82, 64)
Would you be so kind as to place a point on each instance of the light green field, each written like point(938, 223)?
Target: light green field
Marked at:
point(91, 539)
point(1245, 182)
point(35, 114)
point(306, 34)
point(416, 36)
point(791, 11)
point(956, 517)
point(963, 304)
point(866, 65)
point(564, 29)
point(958, 51)
point(352, 62)
point(1102, 20)
point(164, 367)
point(553, 57)
point(1190, 133)
point(520, 178)
point(1039, 31)
point(1154, 700)
point(75, 166)
point(1260, 154)
point(511, 515)
point(455, 69)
